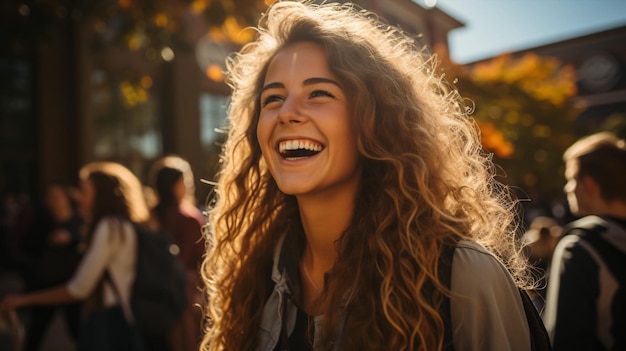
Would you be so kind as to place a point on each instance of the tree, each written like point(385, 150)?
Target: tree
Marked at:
point(137, 24)
point(523, 109)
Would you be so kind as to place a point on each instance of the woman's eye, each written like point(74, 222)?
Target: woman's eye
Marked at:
point(321, 93)
point(272, 98)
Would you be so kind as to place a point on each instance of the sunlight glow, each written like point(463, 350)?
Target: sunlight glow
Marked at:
point(430, 3)
point(167, 54)
point(214, 73)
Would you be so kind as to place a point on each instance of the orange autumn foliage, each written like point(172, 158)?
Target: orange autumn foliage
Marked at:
point(522, 106)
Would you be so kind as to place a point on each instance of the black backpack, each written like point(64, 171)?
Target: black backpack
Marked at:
point(158, 295)
point(539, 339)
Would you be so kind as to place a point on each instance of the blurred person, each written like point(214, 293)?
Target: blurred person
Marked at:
point(539, 242)
point(11, 325)
point(110, 198)
point(586, 298)
point(17, 221)
point(11, 331)
point(349, 172)
point(53, 255)
point(175, 212)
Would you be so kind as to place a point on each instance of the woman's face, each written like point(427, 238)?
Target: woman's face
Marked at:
point(179, 189)
point(304, 129)
point(86, 197)
point(57, 200)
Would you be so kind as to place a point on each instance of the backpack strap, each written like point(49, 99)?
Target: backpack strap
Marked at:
point(445, 277)
point(108, 277)
point(539, 339)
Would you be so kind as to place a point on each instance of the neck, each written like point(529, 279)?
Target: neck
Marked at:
point(324, 220)
point(615, 208)
point(323, 225)
point(325, 216)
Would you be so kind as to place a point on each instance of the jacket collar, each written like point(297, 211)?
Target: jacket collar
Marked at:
point(285, 265)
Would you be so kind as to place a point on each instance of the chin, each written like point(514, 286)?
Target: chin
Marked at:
point(295, 188)
point(292, 191)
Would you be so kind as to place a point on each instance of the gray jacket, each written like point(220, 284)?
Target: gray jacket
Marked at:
point(487, 313)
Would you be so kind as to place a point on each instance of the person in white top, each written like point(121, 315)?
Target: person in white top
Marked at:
point(110, 200)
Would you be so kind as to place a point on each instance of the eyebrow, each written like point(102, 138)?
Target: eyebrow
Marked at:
point(309, 81)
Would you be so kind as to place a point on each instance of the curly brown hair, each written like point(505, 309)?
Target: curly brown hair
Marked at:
point(426, 183)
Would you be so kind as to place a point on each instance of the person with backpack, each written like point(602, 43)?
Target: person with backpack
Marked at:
point(112, 203)
point(171, 177)
point(355, 208)
point(586, 300)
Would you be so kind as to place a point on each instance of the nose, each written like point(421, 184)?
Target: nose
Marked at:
point(289, 113)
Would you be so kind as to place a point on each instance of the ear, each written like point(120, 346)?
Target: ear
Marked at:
point(591, 186)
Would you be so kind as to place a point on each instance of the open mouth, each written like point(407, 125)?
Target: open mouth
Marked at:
point(297, 149)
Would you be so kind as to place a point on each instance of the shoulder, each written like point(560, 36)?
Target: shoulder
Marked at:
point(471, 257)
point(589, 223)
point(110, 223)
point(572, 245)
point(607, 229)
point(472, 247)
point(111, 228)
point(479, 274)
point(486, 305)
point(589, 243)
point(191, 213)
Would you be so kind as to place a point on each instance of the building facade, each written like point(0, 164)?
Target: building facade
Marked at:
point(599, 59)
point(74, 95)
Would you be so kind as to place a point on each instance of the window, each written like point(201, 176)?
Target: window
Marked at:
point(212, 117)
point(126, 122)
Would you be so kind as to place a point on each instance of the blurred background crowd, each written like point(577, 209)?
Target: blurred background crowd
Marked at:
point(48, 244)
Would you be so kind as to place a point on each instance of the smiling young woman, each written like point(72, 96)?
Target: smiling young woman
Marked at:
point(348, 171)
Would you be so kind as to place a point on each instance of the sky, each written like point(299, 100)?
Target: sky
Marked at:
point(493, 27)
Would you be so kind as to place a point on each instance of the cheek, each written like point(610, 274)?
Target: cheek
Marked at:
point(263, 134)
point(347, 134)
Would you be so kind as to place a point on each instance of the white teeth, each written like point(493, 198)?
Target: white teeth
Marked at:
point(298, 145)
